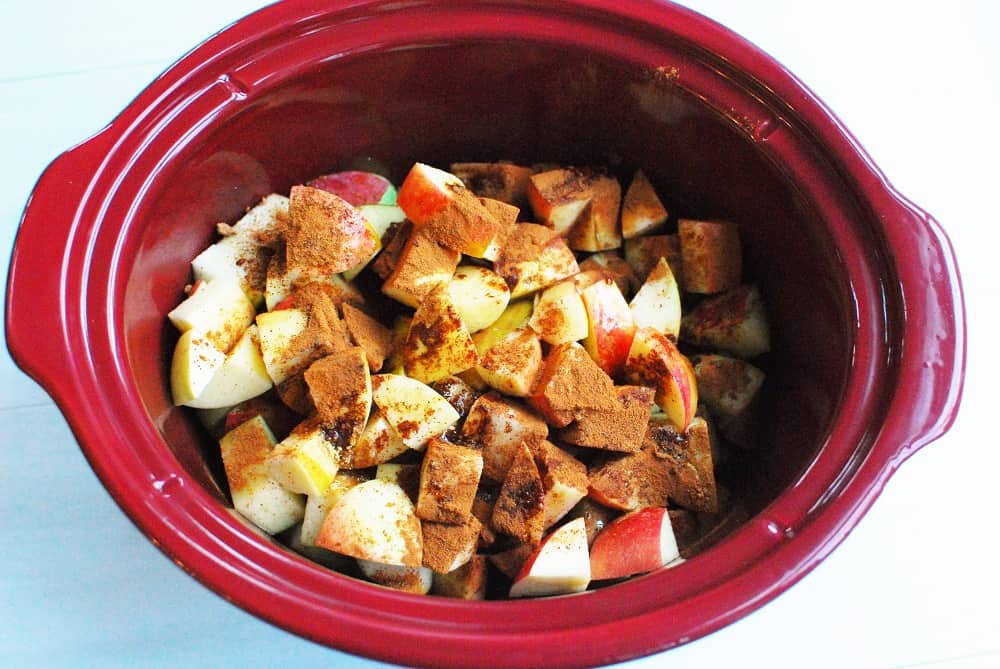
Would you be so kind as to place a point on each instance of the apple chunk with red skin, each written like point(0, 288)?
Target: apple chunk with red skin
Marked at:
point(611, 325)
point(635, 543)
point(560, 565)
point(325, 235)
point(357, 187)
point(654, 361)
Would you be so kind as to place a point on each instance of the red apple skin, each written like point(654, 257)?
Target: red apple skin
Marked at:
point(633, 544)
point(356, 187)
point(426, 191)
point(237, 417)
point(666, 369)
point(611, 325)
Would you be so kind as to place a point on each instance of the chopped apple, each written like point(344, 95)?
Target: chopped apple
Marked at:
point(325, 235)
point(594, 515)
point(317, 506)
point(564, 479)
point(406, 476)
point(380, 217)
point(560, 197)
point(500, 426)
point(304, 461)
point(412, 408)
point(711, 255)
point(513, 317)
point(465, 582)
point(281, 285)
point(479, 295)
point(341, 389)
point(614, 266)
point(519, 510)
point(621, 429)
point(571, 382)
point(415, 580)
point(277, 329)
point(459, 394)
point(369, 334)
point(449, 546)
point(506, 217)
point(642, 254)
point(438, 344)
point(400, 328)
point(512, 364)
point(357, 187)
point(734, 321)
point(598, 228)
point(196, 361)
point(378, 444)
point(392, 242)
point(510, 561)
point(439, 203)
point(654, 361)
point(560, 316)
point(630, 481)
point(218, 311)
point(534, 257)
point(423, 265)
point(264, 223)
point(449, 476)
point(689, 463)
point(642, 210)
point(242, 375)
point(375, 521)
point(256, 496)
point(635, 543)
point(727, 386)
point(610, 326)
point(505, 182)
point(657, 303)
point(560, 565)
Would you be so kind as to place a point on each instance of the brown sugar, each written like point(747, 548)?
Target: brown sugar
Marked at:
point(621, 429)
point(519, 510)
point(571, 383)
point(369, 334)
point(325, 233)
point(447, 547)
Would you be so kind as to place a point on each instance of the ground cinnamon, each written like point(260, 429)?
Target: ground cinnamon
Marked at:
point(338, 384)
point(369, 334)
point(571, 382)
point(519, 510)
point(446, 544)
point(621, 429)
point(324, 233)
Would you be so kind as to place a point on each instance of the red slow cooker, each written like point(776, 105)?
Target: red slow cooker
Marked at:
point(861, 286)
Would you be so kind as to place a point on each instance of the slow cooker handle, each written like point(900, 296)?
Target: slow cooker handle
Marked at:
point(932, 364)
point(37, 326)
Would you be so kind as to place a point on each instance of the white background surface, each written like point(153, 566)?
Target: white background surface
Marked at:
point(915, 584)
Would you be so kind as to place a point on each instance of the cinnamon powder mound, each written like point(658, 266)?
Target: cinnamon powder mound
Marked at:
point(423, 265)
point(464, 224)
point(519, 510)
point(336, 384)
point(369, 334)
point(631, 481)
point(325, 233)
point(571, 383)
point(446, 544)
point(621, 429)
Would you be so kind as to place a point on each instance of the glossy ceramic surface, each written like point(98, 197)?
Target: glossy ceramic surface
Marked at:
point(861, 285)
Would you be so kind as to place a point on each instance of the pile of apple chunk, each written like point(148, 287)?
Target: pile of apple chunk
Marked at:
point(518, 418)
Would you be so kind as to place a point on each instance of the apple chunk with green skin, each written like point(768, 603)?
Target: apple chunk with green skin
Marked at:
point(257, 496)
point(657, 303)
point(654, 361)
point(412, 408)
point(375, 521)
point(610, 325)
point(635, 543)
point(357, 187)
point(241, 377)
point(560, 565)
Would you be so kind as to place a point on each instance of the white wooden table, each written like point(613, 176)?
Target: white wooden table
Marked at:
point(916, 584)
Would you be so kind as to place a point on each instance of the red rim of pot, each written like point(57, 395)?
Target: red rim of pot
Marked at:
point(64, 279)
